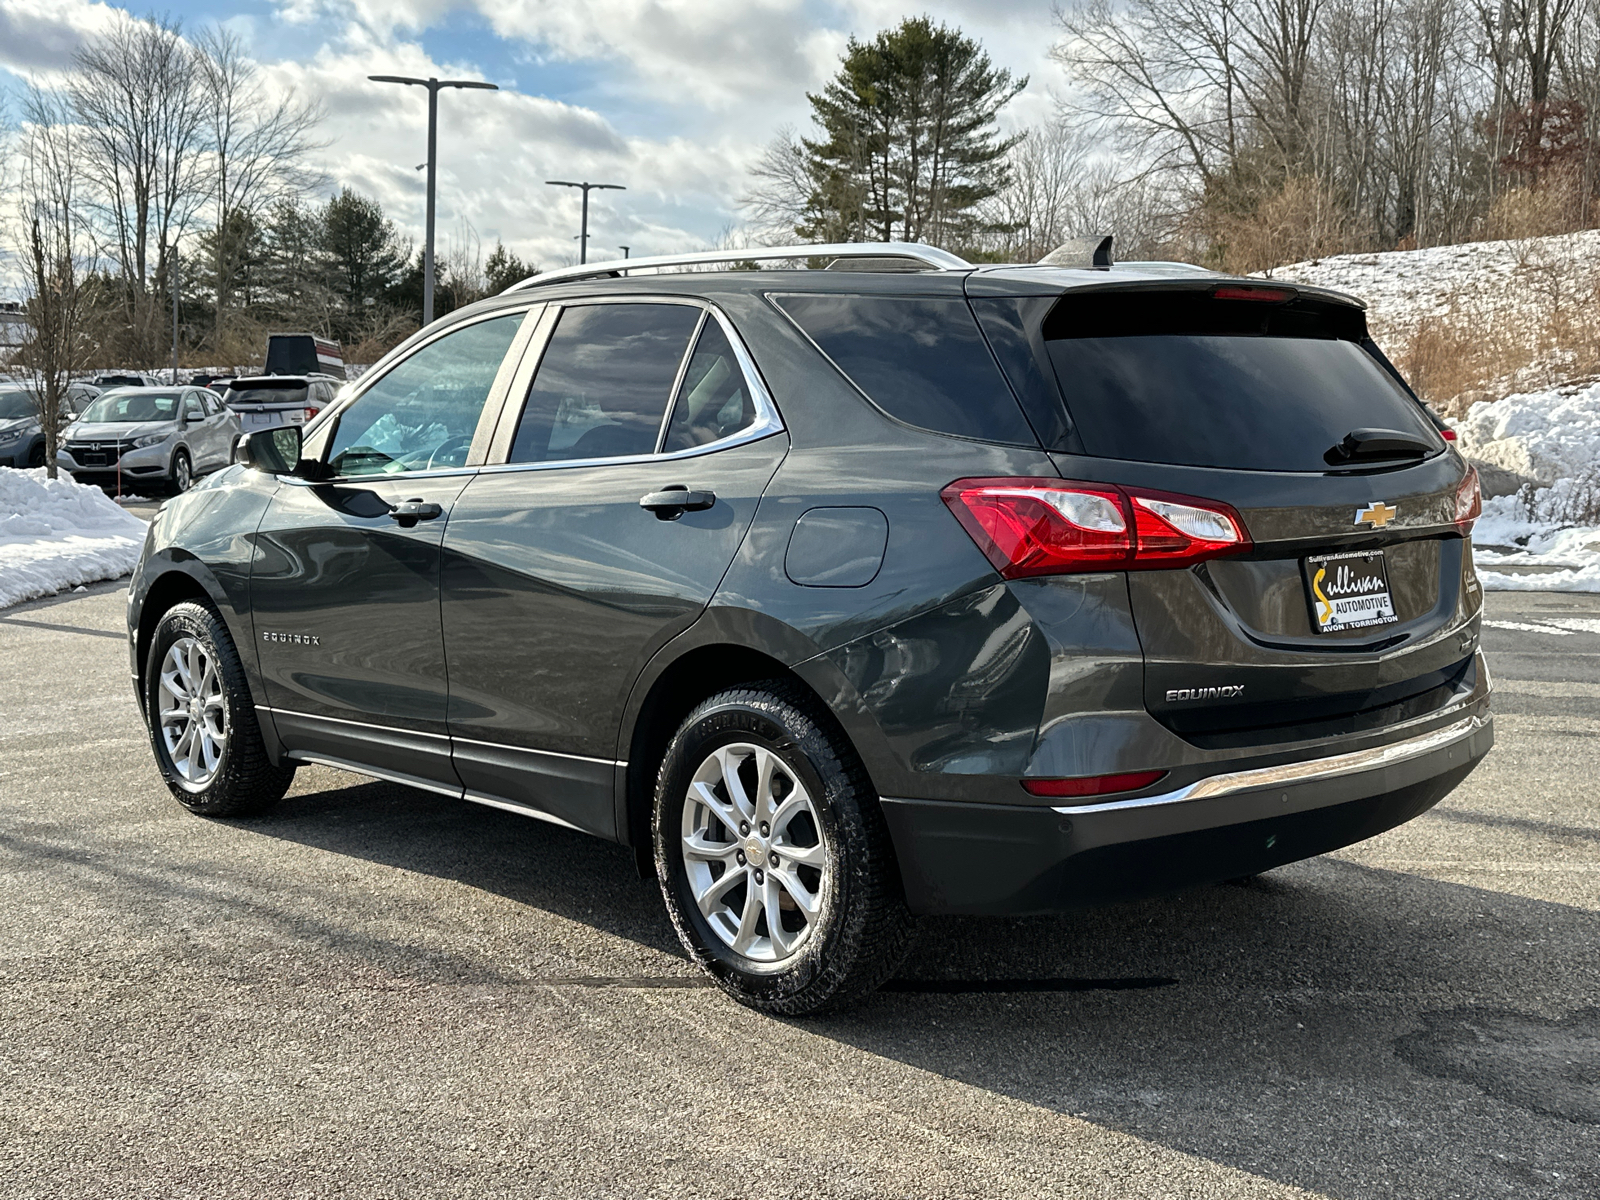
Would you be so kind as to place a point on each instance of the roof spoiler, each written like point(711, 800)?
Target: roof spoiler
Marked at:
point(1084, 254)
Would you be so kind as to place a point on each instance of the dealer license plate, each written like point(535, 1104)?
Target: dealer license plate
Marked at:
point(1349, 591)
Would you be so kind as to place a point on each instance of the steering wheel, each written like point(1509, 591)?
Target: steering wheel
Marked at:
point(449, 446)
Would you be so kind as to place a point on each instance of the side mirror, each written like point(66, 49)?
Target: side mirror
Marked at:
point(274, 451)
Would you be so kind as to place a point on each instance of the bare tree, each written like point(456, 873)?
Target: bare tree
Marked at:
point(55, 259)
point(259, 150)
point(139, 94)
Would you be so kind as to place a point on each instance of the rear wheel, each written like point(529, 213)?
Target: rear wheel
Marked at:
point(202, 720)
point(773, 855)
point(36, 455)
point(182, 471)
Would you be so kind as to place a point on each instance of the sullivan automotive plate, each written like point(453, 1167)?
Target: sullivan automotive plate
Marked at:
point(1349, 591)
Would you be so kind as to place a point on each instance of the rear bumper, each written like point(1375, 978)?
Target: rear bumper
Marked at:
point(1012, 860)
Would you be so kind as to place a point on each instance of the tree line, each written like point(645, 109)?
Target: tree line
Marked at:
point(1238, 133)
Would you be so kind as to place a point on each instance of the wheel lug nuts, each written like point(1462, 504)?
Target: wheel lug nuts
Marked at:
point(765, 832)
point(773, 858)
point(761, 876)
point(744, 828)
point(739, 856)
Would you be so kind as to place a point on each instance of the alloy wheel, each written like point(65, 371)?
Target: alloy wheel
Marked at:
point(182, 472)
point(754, 853)
point(192, 712)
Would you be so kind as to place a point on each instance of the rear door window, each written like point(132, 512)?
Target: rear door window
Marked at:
point(920, 359)
point(604, 381)
point(1239, 384)
point(713, 401)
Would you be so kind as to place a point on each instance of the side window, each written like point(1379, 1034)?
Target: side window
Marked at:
point(921, 360)
point(604, 382)
point(422, 414)
point(191, 408)
point(713, 401)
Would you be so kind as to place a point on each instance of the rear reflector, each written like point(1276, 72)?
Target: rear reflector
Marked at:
point(1053, 527)
point(1091, 785)
point(1448, 434)
point(1469, 501)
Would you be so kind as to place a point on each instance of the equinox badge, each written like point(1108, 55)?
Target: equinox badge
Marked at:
point(1230, 691)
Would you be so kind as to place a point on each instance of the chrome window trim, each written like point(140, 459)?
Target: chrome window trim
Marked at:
point(1305, 771)
point(768, 420)
point(677, 381)
point(326, 423)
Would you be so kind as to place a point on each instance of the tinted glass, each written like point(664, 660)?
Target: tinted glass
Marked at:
point(922, 361)
point(133, 406)
point(713, 401)
point(422, 414)
point(267, 395)
point(192, 409)
point(16, 404)
point(604, 382)
point(1215, 384)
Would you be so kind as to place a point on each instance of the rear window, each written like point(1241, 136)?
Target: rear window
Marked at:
point(295, 395)
point(1241, 384)
point(921, 360)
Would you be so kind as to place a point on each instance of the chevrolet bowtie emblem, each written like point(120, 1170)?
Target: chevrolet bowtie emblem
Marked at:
point(1377, 514)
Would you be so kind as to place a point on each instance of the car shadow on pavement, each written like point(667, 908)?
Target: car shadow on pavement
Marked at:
point(1340, 1028)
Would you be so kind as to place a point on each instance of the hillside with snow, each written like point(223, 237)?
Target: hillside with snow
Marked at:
point(1504, 337)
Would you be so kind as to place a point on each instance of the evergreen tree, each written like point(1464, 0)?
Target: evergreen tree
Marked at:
point(909, 146)
point(503, 268)
point(363, 254)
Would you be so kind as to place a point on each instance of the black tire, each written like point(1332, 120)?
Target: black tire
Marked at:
point(36, 455)
point(182, 471)
point(862, 929)
point(244, 782)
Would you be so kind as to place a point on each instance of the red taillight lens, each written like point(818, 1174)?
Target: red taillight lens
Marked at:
point(311, 412)
point(1091, 785)
point(1448, 434)
point(1469, 501)
point(1052, 527)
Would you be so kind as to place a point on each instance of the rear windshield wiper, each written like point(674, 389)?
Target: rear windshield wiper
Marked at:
point(1368, 445)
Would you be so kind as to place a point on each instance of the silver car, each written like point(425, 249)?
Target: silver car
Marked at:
point(136, 437)
point(21, 431)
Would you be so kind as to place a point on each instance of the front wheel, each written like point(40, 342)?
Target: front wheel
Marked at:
point(773, 855)
point(202, 720)
point(182, 471)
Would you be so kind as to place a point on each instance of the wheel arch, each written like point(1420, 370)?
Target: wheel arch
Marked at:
point(180, 581)
point(720, 651)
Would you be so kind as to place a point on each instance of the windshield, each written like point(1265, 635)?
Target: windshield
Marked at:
point(15, 403)
point(295, 394)
point(129, 407)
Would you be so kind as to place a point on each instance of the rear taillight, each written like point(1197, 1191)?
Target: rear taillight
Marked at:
point(1448, 434)
point(1091, 785)
point(1469, 501)
point(1052, 527)
point(311, 412)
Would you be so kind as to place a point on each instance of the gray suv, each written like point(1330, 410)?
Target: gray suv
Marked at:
point(140, 436)
point(846, 595)
point(22, 441)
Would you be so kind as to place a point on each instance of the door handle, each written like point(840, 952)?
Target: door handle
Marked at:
point(672, 501)
point(408, 512)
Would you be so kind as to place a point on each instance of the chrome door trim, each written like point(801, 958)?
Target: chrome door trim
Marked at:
point(305, 716)
point(768, 420)
point(522, 810)
point(1305, 771)
point(343, 764)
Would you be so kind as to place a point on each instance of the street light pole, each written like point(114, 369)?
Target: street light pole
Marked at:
point(433, 86)
point(583, 234)
point(174, 314)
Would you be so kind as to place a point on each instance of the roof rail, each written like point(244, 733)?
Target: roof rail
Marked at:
point(929, 257)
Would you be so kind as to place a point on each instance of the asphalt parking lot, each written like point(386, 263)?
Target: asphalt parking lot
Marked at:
point(380, 992)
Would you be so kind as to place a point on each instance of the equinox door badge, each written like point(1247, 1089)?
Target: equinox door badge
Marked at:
point(1230, 691)
point(297, 639)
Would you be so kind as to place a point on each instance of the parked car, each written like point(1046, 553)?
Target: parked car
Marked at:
point(121, 379)
point(22, 441)
point(303, 354)
point(148, 436)
point(266, 401)
point(846, 596)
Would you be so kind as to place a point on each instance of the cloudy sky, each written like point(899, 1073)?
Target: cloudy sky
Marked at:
point(673, 98)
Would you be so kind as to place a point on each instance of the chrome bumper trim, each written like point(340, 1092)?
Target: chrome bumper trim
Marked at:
point(1296, 772)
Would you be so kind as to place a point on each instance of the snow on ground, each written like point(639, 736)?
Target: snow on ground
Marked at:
point(58, 533)
point(1403, 286)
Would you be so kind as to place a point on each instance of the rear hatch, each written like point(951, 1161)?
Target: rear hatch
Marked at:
point(1353, 606)
point(272, 401)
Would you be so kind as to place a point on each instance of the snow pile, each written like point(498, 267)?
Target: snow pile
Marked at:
point(1543, 437)
point(58, 533)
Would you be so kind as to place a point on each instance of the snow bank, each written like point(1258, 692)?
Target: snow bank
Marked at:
point(1544, 437)
point(56, 534)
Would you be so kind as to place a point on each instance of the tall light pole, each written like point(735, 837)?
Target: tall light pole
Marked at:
point(583, 230)
point(174, 314)
point(433, 86)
